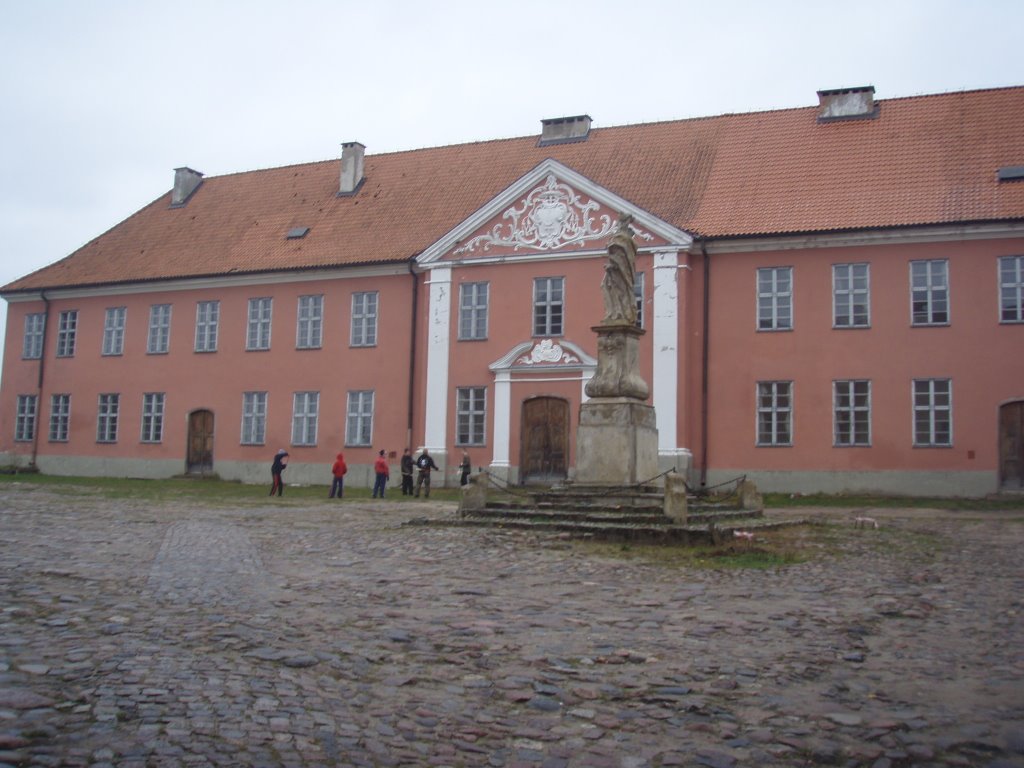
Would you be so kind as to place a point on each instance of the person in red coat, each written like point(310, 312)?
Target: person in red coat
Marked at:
point(380, 467)
point(338, 470)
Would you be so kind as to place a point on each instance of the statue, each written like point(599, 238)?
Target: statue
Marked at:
point(620, 277)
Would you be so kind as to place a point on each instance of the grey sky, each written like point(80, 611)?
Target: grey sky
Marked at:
point(102, 100)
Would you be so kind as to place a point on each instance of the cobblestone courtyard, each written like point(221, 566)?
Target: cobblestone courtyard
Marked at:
point(289, 633)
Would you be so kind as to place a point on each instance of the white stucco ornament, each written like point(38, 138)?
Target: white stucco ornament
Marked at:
point(547, 351)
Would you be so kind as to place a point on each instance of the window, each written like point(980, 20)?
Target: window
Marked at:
point(774, 413)
point(933, 412)
point(929, 292)
point(254, 418)
point(1011, 289)
point(638, 293)
point(305, 409)
point(548, 298)
point(473, 311)
point(851, 412)
point(159, 329)
point(359, 426)
point(775, 298)
point(106, 419)
point(152, 417)
point(60, 418)
point(25, 423)
point(851, 298)
point(471, 415)
point(309, 329)
point(364, 319)
point(207, 323)
point(67, 325)
point(113, 331)
point(258, 335)
point(32, 343)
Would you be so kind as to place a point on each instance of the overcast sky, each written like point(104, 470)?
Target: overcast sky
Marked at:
point(101, 100)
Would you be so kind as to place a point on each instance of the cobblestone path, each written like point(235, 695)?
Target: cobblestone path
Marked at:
point(134, 634)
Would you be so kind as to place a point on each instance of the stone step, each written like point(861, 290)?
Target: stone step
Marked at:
point(647, 516)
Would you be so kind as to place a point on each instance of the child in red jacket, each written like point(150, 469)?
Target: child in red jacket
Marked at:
point(380, 467)
point(339, 469)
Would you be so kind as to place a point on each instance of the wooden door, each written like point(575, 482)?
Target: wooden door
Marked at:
point(1011, 446)
point(200, 442)
point(544, 440)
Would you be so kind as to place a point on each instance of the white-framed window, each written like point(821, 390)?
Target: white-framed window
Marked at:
point(1011, 289)
point(775, 298)
point(159, 341)
point(32, 341)
point(25, 421)
point(364, 319)
point(305, 412)
point(774, 413)
point(113, 330)
point(207, 325)
point(548, 305)
point(60, 418)
point(67, 327)
point(359, 421)
point(254, 418)
point(638, 294)
point(933, 413)
point(153, 417)
point(106, 418)
point(470, 415)
point(310, 323)
point(257, 336)
point(851, 296)
point(851, 413)
point(473, 306)
point(929, 292)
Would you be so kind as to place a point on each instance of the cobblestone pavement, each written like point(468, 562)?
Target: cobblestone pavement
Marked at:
point(140, 634)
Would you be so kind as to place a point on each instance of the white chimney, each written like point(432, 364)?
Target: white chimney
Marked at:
point(351, 167)
point(562, 130)
point(186, 181)
point(847, 104)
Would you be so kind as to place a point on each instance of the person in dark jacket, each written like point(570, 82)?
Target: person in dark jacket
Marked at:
point(380, 468)
point(338, 470)
point(465, 468)
point(276, 469)
point(406, 467)
point(425, 463)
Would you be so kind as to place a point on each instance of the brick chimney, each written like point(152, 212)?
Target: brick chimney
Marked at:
point(562, 130)
point(847, 104)
point(186, 181)
point(351, 168)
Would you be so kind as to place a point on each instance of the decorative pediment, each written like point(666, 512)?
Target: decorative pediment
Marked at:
point(552, 208)
point(544, 354)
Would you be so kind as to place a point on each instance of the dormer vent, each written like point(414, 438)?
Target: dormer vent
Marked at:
point(351, 167)
point(186, 182)
point(297, 233)
point(1011, 173)
point(847, 104)
point(562, 130)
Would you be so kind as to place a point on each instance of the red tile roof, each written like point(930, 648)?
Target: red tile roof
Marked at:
point(926, 160)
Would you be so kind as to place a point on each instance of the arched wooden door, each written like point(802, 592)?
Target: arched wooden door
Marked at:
point(200, 442)
point(1011, 446)
point(544, 441)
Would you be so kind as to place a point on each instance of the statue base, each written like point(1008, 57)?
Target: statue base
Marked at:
point(616, 442)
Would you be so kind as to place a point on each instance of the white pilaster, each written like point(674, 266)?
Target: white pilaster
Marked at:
point(665, 339)
point(502, 419)
point(438, 342)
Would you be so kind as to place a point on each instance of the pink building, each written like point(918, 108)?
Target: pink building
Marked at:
point(832, 299)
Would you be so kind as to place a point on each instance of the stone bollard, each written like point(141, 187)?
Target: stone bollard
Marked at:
point(675, 498)
point(750, 498)
point(474, 495)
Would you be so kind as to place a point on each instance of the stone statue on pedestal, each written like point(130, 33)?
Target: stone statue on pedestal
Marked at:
point(619, 281)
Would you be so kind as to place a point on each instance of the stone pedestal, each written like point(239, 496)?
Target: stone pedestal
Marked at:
point(616, 442)
point(618, 367)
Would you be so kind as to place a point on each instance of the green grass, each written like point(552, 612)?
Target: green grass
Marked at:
point(780, 500)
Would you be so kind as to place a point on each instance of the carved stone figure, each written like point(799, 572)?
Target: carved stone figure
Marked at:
point(620, 277)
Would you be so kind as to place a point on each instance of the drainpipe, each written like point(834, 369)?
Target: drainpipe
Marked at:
point(704, 354)
point(39, 383)
point(412, 353)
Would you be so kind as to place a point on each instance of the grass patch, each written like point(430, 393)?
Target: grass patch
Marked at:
point(993, 503)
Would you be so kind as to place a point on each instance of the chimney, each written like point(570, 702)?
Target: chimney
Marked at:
point(847, 104)
point(186, 181)
point(563, 130)
point(351, 168)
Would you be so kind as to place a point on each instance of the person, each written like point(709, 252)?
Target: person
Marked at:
point(466, 467)
point(380, 467)
point(338, 470)
point(276, 469)
point(406, 467)
point(425, 463)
